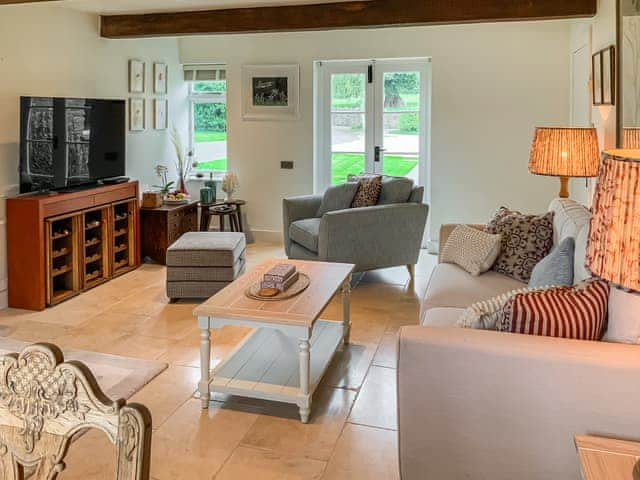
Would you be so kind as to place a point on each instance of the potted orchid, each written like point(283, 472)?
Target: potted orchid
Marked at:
point(165, 185)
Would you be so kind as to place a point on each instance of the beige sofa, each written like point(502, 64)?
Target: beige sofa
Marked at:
point(479, 404)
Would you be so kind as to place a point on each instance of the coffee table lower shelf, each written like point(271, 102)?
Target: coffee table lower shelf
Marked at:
point(266, 365)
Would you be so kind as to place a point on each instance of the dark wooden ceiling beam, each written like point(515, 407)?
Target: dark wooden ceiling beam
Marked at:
point(351, 14)
point(15, 2)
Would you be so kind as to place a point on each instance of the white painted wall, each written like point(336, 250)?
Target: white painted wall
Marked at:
point(599, 32)
point(51, 51)
point(492, 84)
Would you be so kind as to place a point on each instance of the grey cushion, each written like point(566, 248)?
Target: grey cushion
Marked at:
point(395, 190)
point(206, 249)
point(206, 274)
point(305, 232)
point(337, 198)
point(556, 269)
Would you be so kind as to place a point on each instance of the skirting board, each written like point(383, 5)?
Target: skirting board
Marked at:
point(270, 236)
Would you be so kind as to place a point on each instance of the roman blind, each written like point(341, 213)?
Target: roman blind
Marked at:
point(204, 73)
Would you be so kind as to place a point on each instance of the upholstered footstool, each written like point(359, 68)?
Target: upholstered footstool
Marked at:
point(199, 264)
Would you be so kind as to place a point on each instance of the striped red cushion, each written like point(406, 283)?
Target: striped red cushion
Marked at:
point(578, 312)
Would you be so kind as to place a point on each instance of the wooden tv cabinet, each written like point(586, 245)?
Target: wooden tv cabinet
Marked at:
point(62, 244)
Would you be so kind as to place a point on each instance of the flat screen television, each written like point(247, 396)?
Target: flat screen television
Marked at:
point(67, 142)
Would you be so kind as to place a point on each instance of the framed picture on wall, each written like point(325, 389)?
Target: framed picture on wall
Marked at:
point(136, 114)
point(161, 110)
point(136, 76)
point(608, 76)
point(604, 76)
point(270, 92)
point(596, 61)
point(160, 78)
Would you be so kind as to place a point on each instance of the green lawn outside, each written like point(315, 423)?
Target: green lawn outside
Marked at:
point(219, 165)
point(411, 102)
point(201, 136)
point(345, 164)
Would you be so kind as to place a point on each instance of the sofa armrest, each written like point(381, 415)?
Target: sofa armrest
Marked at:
point(298, 208)
point(446, 230)
point(483, 404)
point(373, 237)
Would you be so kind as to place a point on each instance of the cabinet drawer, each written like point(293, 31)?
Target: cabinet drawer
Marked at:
point(115, 195)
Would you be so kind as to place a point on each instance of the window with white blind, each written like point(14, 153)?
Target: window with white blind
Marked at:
point(208, 116)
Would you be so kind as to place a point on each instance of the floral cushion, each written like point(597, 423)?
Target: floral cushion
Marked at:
point(526, 239)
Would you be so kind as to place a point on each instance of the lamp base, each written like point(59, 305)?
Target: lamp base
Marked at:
point(564, 187)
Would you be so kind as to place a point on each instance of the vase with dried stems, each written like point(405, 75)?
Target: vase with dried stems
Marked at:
point(183, 162)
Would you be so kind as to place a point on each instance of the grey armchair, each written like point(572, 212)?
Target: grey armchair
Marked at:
point(371, 237)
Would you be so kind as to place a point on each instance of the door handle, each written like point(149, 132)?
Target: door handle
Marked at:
point(377, 152)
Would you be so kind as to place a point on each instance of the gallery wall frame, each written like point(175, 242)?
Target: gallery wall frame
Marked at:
point(137, 76)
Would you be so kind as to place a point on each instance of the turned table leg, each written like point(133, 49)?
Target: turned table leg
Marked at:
point(346, 309)
point(305, 400)
point(205, 361)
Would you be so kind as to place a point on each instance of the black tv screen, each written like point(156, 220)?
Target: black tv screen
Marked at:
point(65, 142)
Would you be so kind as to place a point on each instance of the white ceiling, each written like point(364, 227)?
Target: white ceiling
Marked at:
point(111, 7)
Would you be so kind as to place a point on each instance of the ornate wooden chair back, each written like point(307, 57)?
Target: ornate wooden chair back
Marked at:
point(45, 403)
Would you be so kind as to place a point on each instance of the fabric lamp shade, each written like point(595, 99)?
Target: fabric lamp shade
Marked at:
point(613, 252)
point(631, 138)
point(565, 152)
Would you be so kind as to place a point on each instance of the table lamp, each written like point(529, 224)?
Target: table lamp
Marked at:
point(565, 152)
point(631, 137)
point(613, 253)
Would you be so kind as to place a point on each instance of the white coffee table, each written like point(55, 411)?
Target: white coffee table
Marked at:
point(290, 348)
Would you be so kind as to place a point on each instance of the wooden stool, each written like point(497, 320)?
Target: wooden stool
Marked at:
point(205, 216)
point(226, 211)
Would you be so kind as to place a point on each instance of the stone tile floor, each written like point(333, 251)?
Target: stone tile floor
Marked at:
point(352, 431)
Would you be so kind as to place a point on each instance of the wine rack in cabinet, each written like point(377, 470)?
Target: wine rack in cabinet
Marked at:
point(63, 279)
point(95, 247)
point(61, 244)
point(124, 220)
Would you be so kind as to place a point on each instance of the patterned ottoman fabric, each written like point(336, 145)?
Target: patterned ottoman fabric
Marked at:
point(199, 264)
point(526, 239)
point(206, 249)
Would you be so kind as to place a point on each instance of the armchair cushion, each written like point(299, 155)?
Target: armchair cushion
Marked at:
point(337, 198)
point(395, 190)
point(369, 188)
point(305, 232)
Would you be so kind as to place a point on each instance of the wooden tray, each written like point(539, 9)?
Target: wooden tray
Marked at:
point(295, 289)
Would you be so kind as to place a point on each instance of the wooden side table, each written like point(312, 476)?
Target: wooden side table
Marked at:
point(162, 226)
point(206, 214)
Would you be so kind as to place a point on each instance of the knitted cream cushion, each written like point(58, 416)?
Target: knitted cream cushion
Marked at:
point(472, 249)
point(484, 315)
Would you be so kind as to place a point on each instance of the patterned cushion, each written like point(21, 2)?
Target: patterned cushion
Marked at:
point(578, 312)
point(556, 269)
point(485, 315)
point(526, 239)
point(472, 249)
point(369, 188)
point(337, 198)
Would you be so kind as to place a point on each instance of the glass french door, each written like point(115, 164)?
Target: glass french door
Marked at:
point(371, 117)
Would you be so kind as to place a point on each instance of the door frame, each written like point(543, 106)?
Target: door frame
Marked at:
point(321, 98)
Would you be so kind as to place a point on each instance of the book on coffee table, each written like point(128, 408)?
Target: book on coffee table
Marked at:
point(280, 285)
point(280, 273)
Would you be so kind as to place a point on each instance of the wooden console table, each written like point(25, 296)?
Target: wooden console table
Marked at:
point(164, 225)
point(61, 244)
